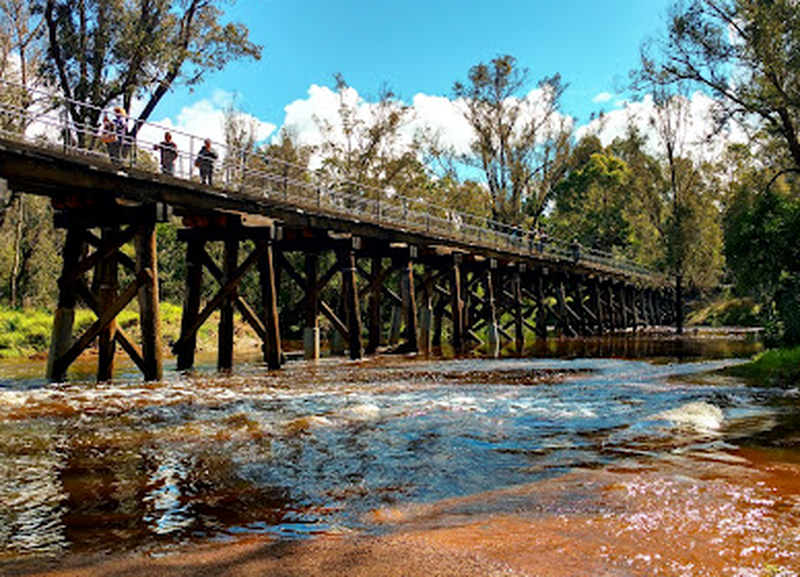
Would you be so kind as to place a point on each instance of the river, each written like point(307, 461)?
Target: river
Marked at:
point(626, 456)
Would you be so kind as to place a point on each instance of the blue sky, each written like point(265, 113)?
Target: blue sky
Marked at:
point(421, 46)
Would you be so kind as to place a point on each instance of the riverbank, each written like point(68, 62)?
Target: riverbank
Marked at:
point(25, 333)
point(718, 515)
point(779, 367)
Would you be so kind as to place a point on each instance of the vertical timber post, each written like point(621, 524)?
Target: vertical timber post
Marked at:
point(541, 307)
point(580, 305)
point(195, 247)
point(311, 330)
point(565, 328)
point(599, 305)
point(64, 317)
point(679, 303)
point(519, 325)
point(410, 302)
point(225, 336)
point(269, 303)
point(351, 296)
point(426, 315)
point(374, 338)
point(149, 309)
point(108, 275)
point(457, 304)
point(493, 335)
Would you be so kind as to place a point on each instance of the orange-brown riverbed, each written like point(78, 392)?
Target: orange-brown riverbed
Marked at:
point(404, 467)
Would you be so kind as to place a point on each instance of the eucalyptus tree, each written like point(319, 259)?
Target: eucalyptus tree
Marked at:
point(114, 51)
point(363, 147)
point(591, 202)
point(742, 52)
point(21, 55)
point(521, 141)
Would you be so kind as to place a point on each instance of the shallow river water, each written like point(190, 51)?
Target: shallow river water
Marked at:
point(587, 465)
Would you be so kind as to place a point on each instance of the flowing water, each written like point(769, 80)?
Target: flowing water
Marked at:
point(644, 465)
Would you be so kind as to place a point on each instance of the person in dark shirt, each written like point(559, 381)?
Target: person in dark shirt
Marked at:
point(205, 162)
point(169, 152)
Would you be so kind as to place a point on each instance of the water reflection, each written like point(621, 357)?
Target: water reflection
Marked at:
point(316, 448)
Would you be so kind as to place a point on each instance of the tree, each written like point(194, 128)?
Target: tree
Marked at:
point(591, 203)
point(762, 243)
point(29, 249)
point(106, 51)
point(362, 147)
point(521, 143)
point(21, 54)
point(646, 212)
point(692, 231)
point(743, 52)
point(241, 134)
point(21, 48)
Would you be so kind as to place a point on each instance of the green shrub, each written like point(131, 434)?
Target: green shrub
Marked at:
point(776, 367)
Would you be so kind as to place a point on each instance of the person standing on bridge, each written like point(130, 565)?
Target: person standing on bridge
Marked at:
point(205, 162)
point(169, 152)
point(108, 135)
point(120, 132)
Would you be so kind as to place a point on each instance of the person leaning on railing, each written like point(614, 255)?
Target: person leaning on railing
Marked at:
point(169, 152)
point(113, 134)
point(205, 162)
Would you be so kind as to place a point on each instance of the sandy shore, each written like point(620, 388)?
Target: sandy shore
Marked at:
point(718, 518)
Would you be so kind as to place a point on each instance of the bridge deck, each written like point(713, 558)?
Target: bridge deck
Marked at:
point(45, 171)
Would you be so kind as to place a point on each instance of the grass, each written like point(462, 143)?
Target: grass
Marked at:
point(731, 312)
point(775, 367)
point(26, 333)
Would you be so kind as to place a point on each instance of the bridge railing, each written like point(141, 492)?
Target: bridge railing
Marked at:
point(48, 120)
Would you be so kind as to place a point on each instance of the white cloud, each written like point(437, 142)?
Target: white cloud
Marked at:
point(439, 116)
point(443, 118)
point(603, 97)
point(696, 127)
point(201, 120)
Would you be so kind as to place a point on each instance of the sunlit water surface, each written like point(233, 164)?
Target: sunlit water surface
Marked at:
point(341, 447)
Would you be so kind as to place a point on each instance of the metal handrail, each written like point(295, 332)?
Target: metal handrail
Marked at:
point(47, 123)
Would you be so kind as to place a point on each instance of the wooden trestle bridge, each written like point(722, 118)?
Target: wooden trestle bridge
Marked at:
point(439, 272)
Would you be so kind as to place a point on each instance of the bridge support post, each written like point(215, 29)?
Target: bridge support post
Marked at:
point(564, 317)
point(350, 285)
point(64, 317)
point(374, 300)
point(621, 295)
point(457, 304)
point(519, 321)
point(108, 279)
point(225, 333)
point(311, 331)
point(149, 308)
point(580, 305)
point(408, 294)
point(541, 306)
point(273, 354)
point(118, 226)
point(492, 332)
point(596, 298)
point(426, 315)
point(195, 248)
